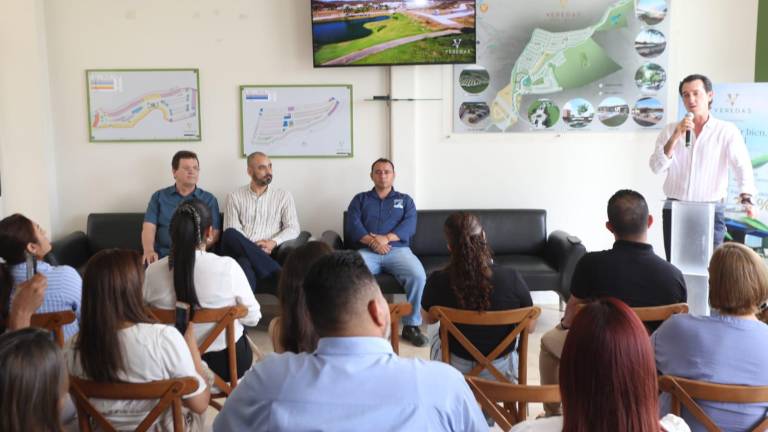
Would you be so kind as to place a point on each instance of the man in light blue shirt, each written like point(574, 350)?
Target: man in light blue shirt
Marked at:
point(354, 381)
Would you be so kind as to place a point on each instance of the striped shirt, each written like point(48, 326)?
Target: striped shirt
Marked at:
point(64, 292)
point(700, 172)
point(271, 216)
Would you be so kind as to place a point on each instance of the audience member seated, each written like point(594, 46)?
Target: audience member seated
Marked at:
point(27, 298)
point(258, 218)
point(631, 272)
point(155, 235)
point(202, 280)
point(608, 377)
point(118, 342)
point(472, 282)
point(353, 381)
point(297, 334)
point(727, 347)
point(33, 382)
point(380, 223)
point(20, 236)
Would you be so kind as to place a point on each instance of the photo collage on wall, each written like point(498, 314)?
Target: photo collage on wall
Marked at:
point(558, 65)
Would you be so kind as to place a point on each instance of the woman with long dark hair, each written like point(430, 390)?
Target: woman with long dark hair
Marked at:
point(297, 334)
point(729, 346)
point(472, 282)
point(20, 236)
point(33, 382)
point(119, 341)
point(202, 279)
point(608, 379)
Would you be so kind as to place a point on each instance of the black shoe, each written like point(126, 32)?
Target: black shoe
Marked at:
point(413, 335)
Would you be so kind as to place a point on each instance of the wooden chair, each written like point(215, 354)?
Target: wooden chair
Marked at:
point(223, 320)
point(653, 313)
point(506, 402)
point(53, 322)
point(397, 311)
point(660, 313)
point(522, 317)
point(169, 393)
point(275, 333)
point(684, 391)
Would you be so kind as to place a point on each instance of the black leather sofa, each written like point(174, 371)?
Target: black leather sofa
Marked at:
point(123, 231)
point(518, 239)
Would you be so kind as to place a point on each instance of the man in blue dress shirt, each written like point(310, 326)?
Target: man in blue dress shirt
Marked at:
point(354, 381)
point(380, 223)
point(155, 234)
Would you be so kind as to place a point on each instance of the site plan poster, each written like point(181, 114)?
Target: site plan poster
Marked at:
point(143, 105)
point(565, 65)
point(297, 121)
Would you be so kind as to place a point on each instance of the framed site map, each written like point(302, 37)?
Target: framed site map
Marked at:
point(296, 120)
point(143, 105)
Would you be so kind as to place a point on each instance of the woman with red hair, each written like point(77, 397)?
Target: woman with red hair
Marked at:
point(607, 376)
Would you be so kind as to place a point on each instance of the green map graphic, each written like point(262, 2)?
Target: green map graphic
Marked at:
point(553, 62)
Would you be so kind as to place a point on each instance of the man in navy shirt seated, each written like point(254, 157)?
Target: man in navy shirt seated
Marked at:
point(155, 233)
point(380, 223)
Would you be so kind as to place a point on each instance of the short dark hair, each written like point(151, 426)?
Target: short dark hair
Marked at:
point(333, 288)
point(693, 77)
point(628, 213)
point(183, 154)
point(383, 160)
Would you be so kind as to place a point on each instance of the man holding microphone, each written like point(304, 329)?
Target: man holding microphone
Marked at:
point(696, 154)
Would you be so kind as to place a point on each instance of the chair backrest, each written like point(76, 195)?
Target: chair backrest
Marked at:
point(660, 313)
point(653, 314)
point(168, 393)
point(521, 318)
point(224, 320)
point(684, 391)
point(53, 322)
point(506, 402)
point(397, 311)
point(275, 333)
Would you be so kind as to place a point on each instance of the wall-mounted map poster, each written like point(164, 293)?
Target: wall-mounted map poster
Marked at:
point(143, 105)
point(296, 120)
point(565, 65)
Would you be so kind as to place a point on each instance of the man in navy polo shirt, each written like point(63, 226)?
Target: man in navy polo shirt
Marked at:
point(380, 223)
point(155, 234)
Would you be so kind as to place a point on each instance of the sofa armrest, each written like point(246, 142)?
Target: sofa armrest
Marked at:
point(332, 239)
point(73, 250)
point(562, 252)
point(281, 252)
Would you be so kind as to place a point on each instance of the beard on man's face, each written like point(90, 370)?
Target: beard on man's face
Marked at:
point(262, 181)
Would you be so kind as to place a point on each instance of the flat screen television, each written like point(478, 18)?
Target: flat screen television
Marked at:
point(387, 32)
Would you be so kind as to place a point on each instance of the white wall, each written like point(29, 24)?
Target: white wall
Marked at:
point(232, 43)
point(268, 42)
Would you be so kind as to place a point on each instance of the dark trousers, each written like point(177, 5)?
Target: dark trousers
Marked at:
point(666, 216)
point(218, 361)
point(255, 262)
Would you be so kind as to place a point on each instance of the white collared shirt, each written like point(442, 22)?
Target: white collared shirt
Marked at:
point(218, 282)
point(269, 216)
point(700, 172)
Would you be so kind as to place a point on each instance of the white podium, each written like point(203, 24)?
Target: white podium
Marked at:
point(693, 226)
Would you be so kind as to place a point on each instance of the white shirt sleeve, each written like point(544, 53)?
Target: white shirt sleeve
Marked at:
point(231, 215)
point(289, 221)
point(659, 162)
point(242, 289)
point(740, 162)
point(177, 359)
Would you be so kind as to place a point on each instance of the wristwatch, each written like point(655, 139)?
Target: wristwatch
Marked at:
point(746, 198)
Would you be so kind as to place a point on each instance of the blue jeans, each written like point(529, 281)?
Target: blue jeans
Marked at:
point(506, 364)
point(401, 263)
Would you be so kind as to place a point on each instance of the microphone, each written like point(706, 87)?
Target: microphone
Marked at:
point(689, 115)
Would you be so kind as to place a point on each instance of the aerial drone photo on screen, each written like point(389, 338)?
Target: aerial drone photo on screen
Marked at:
point(384, 32)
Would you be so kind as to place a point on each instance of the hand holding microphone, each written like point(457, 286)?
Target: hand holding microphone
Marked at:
point(688, 123)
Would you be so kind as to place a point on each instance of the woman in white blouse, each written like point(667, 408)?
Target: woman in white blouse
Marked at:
point(119, 342)
point(203, 280)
